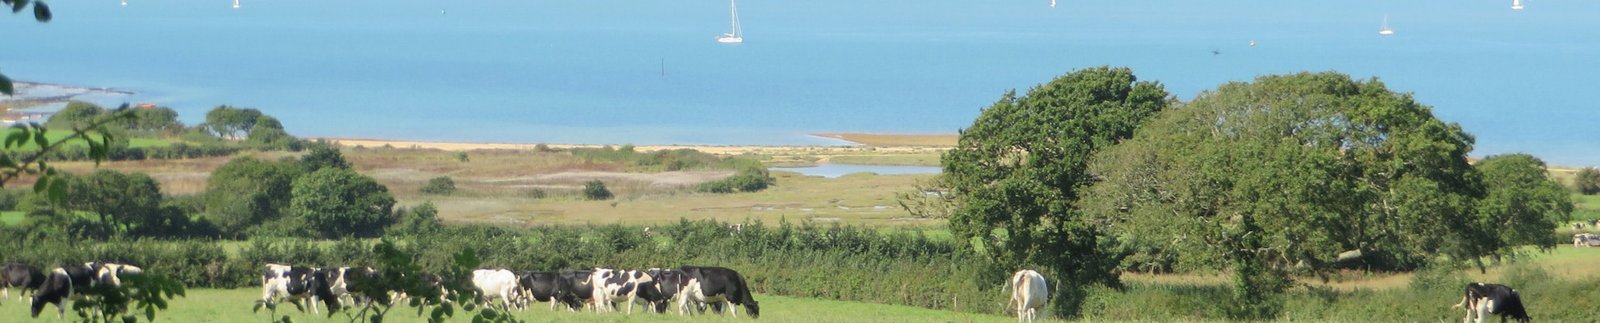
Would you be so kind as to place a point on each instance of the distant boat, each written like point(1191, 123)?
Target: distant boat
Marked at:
point(124, 3)
point(1052, 3)
point(1385, 29)
point(236, 3)
point(1252, 43)
point(737, 35)
point(1516, 4)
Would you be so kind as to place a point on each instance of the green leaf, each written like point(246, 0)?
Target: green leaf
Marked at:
point(41, 185)
point(5, 85)
point(150, 313)
point(17, 5)
point(19, 135)
point(41, 12)
point(7, 162)
point(40, 139)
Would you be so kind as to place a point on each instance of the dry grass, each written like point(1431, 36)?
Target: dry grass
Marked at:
point(895, 140)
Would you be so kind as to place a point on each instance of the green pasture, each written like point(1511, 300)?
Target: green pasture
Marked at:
point(234, 305)
point(58, 134)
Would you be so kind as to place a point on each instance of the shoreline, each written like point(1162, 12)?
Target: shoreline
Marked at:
point(848, 144)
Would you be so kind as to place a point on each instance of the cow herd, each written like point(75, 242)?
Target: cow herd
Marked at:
point(596, 290)
point(65, 282)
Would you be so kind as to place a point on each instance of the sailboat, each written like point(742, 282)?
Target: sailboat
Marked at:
point(1385, 30)
point(235, 3)
point(1052, 3)
point(1516, 4)
point(736, 36)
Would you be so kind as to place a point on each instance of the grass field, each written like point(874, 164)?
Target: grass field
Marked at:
point(234, 305)
point(54, 135)
point(11, 217)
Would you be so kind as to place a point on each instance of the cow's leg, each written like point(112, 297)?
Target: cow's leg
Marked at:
point(1484, 304)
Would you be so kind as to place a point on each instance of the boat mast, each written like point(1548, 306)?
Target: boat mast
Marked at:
point(733, 10)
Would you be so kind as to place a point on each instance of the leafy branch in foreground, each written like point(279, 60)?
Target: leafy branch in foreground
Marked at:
point(41, 13)
point(18, 159)
point(146, 293)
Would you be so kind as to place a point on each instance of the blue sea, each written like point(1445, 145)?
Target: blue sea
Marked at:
point(649, 71)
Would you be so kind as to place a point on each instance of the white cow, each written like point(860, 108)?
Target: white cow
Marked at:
point(623, 286)
point(111, 273)
point(497, 283)
point(1029, 293)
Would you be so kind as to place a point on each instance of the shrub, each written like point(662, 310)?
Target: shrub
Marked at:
point(441, 185)
point(537, 193)
point(596, 190)
point(749, 179)
point(1587, 181)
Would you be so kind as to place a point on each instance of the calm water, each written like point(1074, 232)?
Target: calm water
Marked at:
point(836, 170)
point(649, 72)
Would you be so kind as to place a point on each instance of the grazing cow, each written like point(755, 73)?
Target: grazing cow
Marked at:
point(1029, 293)
point(1484, 299)
point(296, 283)
point(629, 286)
point(497, 284)
point(1577, 226)
point(59, 286)
point(543, 286)
point(582, 294)
point(1585, 240)
point(668, 282)
point(340, 280)
point(716, 285)
point(23, 277)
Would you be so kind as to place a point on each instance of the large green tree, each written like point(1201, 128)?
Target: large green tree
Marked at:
point(246, 192)
point(1522, 201)
point(76, 114)
point(1017, 172)
point(340, 203)
point(232, 123)
point(120, 200)
point(1293, 171)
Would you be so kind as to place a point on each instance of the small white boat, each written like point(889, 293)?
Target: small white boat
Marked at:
point(1052, 3)
point(1516, 4)
point(737, 35)
point(1385, 29)
point(124, 3)
point(236, 3)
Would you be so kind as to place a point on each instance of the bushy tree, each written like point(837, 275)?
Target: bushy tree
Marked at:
point(1587, 181)
point(119, 200)
point(75, 115)
point(232, 123)
point(322, 156)
point(246, 192)
point(596, 190)
point(338, 203)
point(1017, 173)
point(1523, 202)
point(421, 219)
point(155, 119)
point(441, 185)
point(1293, 170)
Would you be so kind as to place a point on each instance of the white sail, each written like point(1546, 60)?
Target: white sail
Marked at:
point(736, 35)
point(235, 3)
point(1385, 29)
point(1516, 4)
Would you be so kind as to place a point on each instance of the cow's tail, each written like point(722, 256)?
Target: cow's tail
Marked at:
point(748, 298)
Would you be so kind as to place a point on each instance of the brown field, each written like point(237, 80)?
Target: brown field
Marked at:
point(498, 183)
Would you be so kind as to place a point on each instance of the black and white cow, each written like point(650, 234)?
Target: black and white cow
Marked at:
point(23, 277)
point(60, 285)
point(296, 283)
point(500, 284)
point(718, 286)
point(1484, 299)
point(631, 286)
point(341, 279)
point(668, 284)
point(581, 293)
point(543, 286)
